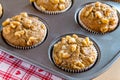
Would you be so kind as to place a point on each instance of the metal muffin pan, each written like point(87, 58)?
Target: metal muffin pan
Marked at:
point(59, 25)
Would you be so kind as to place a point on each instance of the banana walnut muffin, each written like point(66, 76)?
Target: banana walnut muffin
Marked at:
point(74, 53)
point(53, 5)
point(23, 30)
point(99, 17)
point(1, 10)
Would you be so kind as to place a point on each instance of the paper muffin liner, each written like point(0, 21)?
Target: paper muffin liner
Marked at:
point(27, 47)
point(52, 12)
point(33, 46)
point(50, 53)
point(90, 30)
point(76, 71)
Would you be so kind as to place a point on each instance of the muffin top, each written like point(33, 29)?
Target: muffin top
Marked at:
point(1, 10)
point(52, 5)
point(99, 17)
point(23, 30)
point(74, 53)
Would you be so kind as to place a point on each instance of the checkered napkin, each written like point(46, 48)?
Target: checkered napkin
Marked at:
point(12, 68)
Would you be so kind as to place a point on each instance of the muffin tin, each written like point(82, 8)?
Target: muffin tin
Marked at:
point(59, 25)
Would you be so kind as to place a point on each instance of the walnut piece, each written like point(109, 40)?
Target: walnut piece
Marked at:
point(31, 41)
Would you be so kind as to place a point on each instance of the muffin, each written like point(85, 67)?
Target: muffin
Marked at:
point(117, 0)
point(98, 17)
point(1, 10)
point(24, 31)
point(52, 6)
point(74, 53)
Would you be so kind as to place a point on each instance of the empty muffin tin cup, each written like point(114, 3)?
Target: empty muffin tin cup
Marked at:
point(50, 54)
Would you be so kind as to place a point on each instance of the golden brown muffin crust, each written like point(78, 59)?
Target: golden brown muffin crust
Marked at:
point(1, 11)
point(99, 17)
point(74, 53)
point(24, 30)
point(53, 5)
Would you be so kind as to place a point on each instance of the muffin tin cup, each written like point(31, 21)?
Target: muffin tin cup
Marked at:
point(30, 47)
point(50, 52)
point(52, 12)
point(88, 29)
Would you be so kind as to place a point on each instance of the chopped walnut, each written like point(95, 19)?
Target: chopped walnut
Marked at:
point(90, 8)
point(64, 47)
point(63, 54)
point(98, 14)
point(12, 25)
point(86, 13)
point(63, 41)
point(112, 21)
point(6, 22)
point(16, 23)
point(27, 22)
point(97, 4)
point(42, 8)
point(32, 1)
point(91, 60)
point(62, 1)
point(72, 40)
point(43, 26)
point(24, 14)
point(73, 47)
point(75, 36)
point(17, 18)
point(6, 30)
point(78, 63)
point(31, 41)
point(68, 37)
point(55, 1)
point(107, 12)
point(19, 33)
point(104, 29)
point(105, 20)
point(86, 42)
point(61, 6)
point(57, 60)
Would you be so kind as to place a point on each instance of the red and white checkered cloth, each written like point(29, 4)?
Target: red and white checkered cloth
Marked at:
point(12, 68)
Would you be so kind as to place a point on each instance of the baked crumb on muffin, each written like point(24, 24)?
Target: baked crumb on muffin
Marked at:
point(23, 30)
point(74, 53)
point(52, 5)
point(99, 17)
